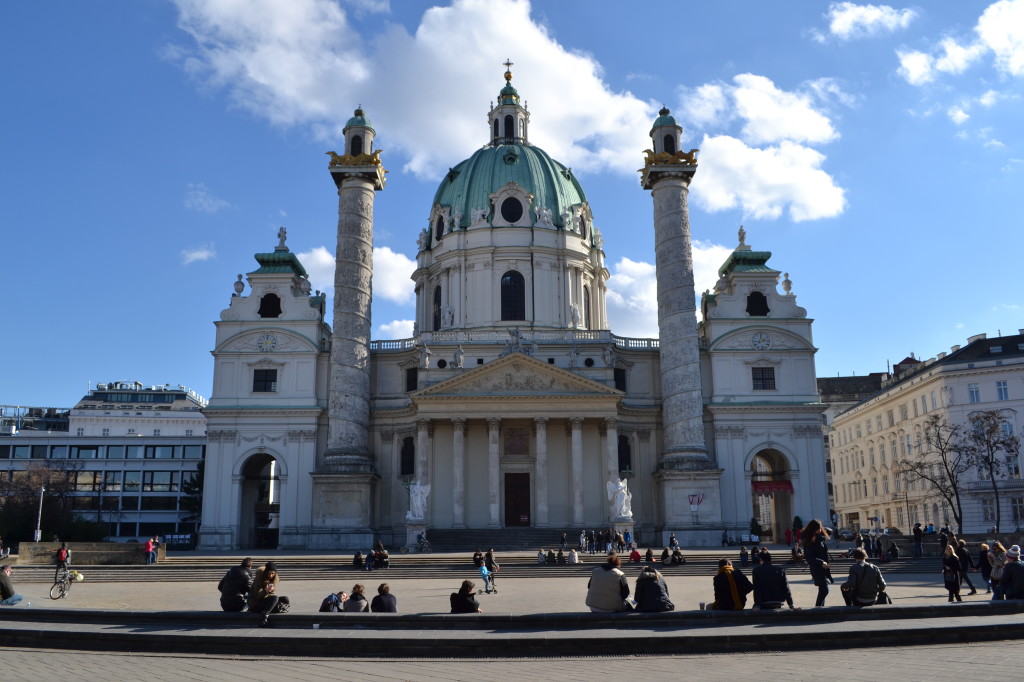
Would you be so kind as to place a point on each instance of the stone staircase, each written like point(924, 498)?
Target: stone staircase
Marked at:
point(499, 539)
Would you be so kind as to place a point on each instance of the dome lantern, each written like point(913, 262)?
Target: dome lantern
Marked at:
point(508, 120)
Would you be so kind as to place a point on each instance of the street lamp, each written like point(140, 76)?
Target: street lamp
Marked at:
point(39, 519)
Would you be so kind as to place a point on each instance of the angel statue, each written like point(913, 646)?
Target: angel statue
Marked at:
point(621, 498)
point(417, 502)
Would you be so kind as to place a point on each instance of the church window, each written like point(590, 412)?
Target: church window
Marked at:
point(510, 129)
point(496, 134)
point(438, 228)
point(764, 378)
point(586, 307)
point(408, 463)
point(264, 381)
point(589, 362)
point(442, 363)
point(670, 144)
point(270, 306)
point(513, 296)
point(620, 378)
point(411, 379)
point(357, 145)
point(757, 304)
point(625, 455)
point(583, 228)
point(522, 127)
point(437, 308)
point(511, 210)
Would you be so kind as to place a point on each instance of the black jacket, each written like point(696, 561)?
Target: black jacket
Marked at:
point(384, 603)
point(652, 594)
point(1013, 580)
point(771, 587)
point(236, 581)
point(464, 603)
point(817, 554)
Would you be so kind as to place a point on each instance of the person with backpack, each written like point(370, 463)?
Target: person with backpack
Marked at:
point(334, 602)
point(63, 560)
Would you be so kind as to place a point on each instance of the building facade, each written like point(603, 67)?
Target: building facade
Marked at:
point(871, 440)
point(514, 404)
point(130, 448)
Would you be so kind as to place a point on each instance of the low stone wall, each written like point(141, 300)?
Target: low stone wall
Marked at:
point(86, 553)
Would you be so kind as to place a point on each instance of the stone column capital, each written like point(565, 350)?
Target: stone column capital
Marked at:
point(493, 423)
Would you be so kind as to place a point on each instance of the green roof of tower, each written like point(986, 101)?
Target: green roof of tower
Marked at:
point(470, 184)
point(664, 119)
point(359, 119)
point(746, 261)
point(277, 262)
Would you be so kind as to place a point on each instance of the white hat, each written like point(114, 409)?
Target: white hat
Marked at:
point(1014, 551)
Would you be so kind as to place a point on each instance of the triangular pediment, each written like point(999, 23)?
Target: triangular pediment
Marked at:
point(516, 375)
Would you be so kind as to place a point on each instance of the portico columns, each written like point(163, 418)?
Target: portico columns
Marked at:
point(540, 475)
point(422, 446)
point(576, 426)
point(458, 473)
point(493, 482)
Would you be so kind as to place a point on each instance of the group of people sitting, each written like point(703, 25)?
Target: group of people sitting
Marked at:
point(377, 558)
point(241, 589)
point(551, 558)
point(384, 602)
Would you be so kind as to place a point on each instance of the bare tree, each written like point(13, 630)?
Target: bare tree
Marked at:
point(993, 450)
point(941, 463)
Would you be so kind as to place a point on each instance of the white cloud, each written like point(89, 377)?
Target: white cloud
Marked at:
point(957, 115)
point(916, 67)
point(764, 182)
point(1001, 29)
point(319, 265)
point(198, 198)
point(994, 143)
point(391, 273)
point(198, 254)
point(956, 58)
point(849, 21)
point(302, 62)
point(633, 289)
point(990, 97)
point(392, 276)
point(396, 329)
point(707, 105)
point(369, 6)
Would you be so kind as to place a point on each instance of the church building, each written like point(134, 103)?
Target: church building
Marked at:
point(514, 404)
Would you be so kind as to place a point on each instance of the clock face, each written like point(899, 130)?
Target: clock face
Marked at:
point(267, 343)
point(761, 341)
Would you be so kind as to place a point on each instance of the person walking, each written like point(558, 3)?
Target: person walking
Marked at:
point(8, 597)
point(951, 573)
point(731, 588)
point(865, 582)
point(966, 563)
point(918, 541)
point(815, 541)
point(996, 559)
point(234, 586)
point(985, 567)
point(492, 568)
point(150, 552)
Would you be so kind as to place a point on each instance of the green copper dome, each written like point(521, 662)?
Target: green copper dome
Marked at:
point(469, 185)
point(359, 120)
point(664, 119)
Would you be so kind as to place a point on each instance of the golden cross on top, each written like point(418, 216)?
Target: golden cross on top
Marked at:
point(508, 71)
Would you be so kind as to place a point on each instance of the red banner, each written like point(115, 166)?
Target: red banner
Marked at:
point(768, 487)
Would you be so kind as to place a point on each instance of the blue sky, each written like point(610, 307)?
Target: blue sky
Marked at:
point(151, 147)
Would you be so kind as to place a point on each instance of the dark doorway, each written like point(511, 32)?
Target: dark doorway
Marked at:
point(517, 500)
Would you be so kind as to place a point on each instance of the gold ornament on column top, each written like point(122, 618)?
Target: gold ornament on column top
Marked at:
point(371, 159)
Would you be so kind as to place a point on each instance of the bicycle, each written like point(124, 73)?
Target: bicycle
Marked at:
point(425, 547)
point(61, 584)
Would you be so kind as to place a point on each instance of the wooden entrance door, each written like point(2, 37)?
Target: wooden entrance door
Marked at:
point(517, 499)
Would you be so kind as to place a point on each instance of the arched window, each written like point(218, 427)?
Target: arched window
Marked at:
point(522, 127)
point(757, 304)
point(438, 228)
point(496, 130)
point(270, 306)
point(625, 455)
point(669, 144)
point(586, 308)
point(407, 467)
point(583, 227)
point(510, 128)
point(513, 296)
point(437, 308)
point(357, 145)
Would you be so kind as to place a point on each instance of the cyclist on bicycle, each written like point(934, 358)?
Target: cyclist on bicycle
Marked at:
point(422, 542)
point(63, 560)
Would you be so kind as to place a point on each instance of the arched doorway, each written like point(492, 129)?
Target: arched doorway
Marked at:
point(771, 494)
point(261, 503)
